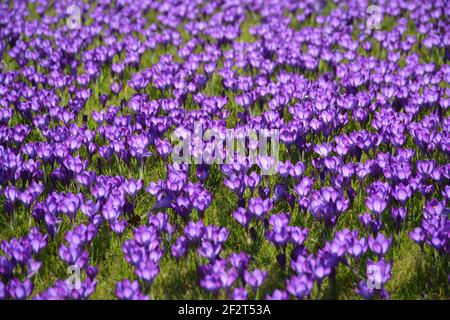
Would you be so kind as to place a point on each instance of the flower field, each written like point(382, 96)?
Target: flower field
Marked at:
point(119, 174)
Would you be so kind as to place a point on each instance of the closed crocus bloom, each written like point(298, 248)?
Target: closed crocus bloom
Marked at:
point(379, 245)
point(299, 286)
point(239, 261)
point(115, 88)
point(332, 163)
point(3, 291)
point(20, 290)
point(133, 186)
point(362, 171)
point(382, 189)
point(358, 248)
point(337, 247)
point(69, 254)
point(255, 278)
point(252, 180)
point(118, 226)
point(370, 222)
point(321, 267)
point(163, 147)
point(347, 170)
point(144, 235)
point(426, 189)
point(74, 238)
point(147, 271)
point(176, 181)
point(91, 272)
point(364, 291)
point(89, 208)
point(242, 217)
point(215, 234)
point(284, 168)
point(33, 267)
point(398, 214)
point(279, 221)
point(297, 235)
point(194, 230)
point(267, 164)
point(264, 193)
point(304, 187)
point(342, 204)
point(11, 193)
point(202, 201)
point(86, 179)
point(202, 173)
point(160, 222)
point(103, 99)
point(302, 264)
point(209, 250)
point(51, 223)
point(446, 192)
point(182, 206)
point(70, 204)
point(211, 283)
point(259, 207)
point(376, 204)
point(279, 235)
point(138, 146)
point(401, 192)
point(342, 145)
point(109, 212)
point(154, 188)
point(297, 170)
point(434, 208)
point(6, 267)
point(209, 68)
point(228, 278)
point(323, 149)
point(287, 135)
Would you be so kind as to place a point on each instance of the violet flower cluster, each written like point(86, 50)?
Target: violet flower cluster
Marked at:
point(89, 108)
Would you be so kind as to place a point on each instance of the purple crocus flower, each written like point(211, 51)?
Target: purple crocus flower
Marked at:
point(278, 295)
point(378, 273)
point(194, 230)
point(379, 245)
point(211, 283)
point(239, 294)
point(239, 261)
point(370, 222)
point(3, 291)
point(299, 286)
point(398, 214)
point(127, 290)
point(180, 248)
point(376, 204)
point(242, 216)
point(255, 278)
point(417, 235)
point(259, 207)
point(20, 290)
